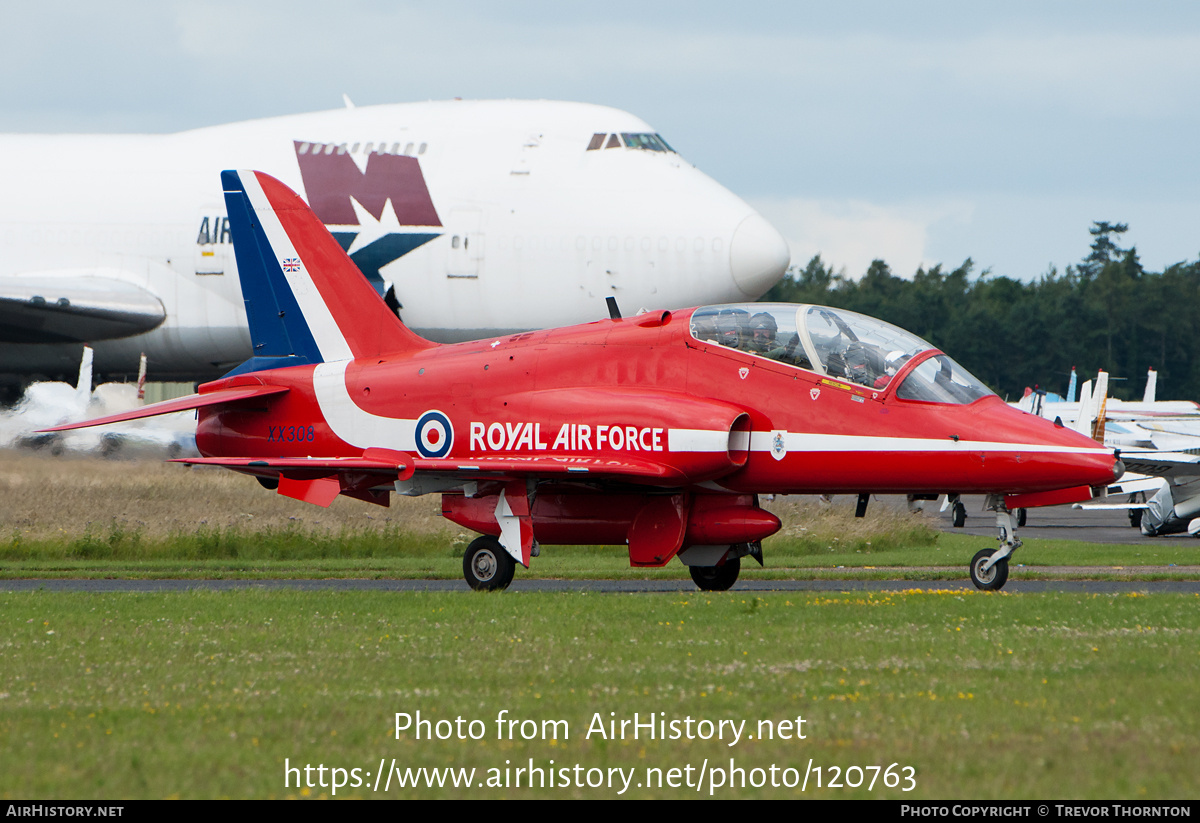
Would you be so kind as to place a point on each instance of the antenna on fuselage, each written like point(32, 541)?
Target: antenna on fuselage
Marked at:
point(613, 312)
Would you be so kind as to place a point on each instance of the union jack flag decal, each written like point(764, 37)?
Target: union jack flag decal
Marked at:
point(291, 265)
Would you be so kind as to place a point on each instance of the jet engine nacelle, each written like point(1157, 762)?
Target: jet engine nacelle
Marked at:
point(693, 439)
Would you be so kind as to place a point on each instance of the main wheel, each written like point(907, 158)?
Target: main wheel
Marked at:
point(717, 578)
point(959, 515)
point(994, 578)
point(1135, 518)
point(487, 566)
point(1021, 517)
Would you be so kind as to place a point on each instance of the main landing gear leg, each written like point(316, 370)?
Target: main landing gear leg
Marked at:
point(958, 511)
point(989, 569)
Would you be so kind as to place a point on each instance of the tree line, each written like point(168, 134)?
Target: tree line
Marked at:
point(1105, 312)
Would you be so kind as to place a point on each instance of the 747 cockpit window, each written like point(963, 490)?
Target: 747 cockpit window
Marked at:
point(644, 141)
point(650, 142)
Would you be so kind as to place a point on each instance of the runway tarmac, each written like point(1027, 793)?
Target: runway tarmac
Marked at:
point(519, 586)
point(1052, 523)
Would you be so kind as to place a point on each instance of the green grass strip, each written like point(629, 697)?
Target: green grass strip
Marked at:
point(984, 696)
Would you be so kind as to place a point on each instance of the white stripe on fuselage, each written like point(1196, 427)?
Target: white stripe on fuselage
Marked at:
point(809, 442)
point(365, 430)
point(697, 440)
point(329, 338)
point(352, 424)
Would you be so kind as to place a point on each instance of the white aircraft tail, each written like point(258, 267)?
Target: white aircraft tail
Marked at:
point(1151, 386)
point(1092, 406)
point(83, 386)
point(141, 384)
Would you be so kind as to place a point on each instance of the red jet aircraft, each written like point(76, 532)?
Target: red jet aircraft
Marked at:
point(657, 431)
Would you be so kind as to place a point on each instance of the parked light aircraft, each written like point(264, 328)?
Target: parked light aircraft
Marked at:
point(52, 402)
point(478, 218)
point(1159, 443)
point(658, 431)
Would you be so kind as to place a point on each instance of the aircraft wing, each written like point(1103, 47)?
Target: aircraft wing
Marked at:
point(629, 468)
point(75, 306)
point(1162, 464)
point(320, 480)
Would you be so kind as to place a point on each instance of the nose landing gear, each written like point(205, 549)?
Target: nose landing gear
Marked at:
point(989, 569)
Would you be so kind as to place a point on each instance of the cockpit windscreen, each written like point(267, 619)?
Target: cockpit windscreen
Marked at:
point(940, 380)
point(838, 343)
point(858, 348)
point(765, 330)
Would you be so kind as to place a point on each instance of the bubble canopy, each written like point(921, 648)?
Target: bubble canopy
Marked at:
point(841, 344)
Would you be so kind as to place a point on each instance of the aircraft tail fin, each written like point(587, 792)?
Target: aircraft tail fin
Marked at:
point(1092, 406)
point(306, 301)
point(1098, 429)
point(83, 386)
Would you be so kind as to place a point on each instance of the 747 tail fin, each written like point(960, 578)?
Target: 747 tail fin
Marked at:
point(306, 301)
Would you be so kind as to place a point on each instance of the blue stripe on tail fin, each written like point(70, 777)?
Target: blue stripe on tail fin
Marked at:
point(278, 331)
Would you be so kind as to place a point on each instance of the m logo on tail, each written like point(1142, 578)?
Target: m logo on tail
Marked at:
point(378, 213)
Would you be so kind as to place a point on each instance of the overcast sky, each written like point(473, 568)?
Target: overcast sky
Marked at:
point(915, 132)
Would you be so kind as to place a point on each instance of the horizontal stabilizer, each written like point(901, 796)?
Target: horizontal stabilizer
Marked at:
point(74, 306)
point(373, 461)
point(319, 480)
point(240, 394)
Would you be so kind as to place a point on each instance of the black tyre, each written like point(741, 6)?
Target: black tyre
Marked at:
point(958, 515)
point(1021, 517)
point(1135, 518)
point(487, 567)
point(994, 578)
point(717, 578)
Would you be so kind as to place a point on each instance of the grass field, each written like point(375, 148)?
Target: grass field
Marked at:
point(982, 695)
point(95, 518)
point(210, 694)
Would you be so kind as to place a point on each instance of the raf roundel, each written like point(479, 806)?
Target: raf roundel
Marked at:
point(435, 434)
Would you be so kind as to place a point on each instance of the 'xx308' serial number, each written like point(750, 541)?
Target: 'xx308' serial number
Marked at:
point(291, 434)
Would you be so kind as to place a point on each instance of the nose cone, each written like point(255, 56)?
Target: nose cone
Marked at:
point(758, 256)
point(1047, 456)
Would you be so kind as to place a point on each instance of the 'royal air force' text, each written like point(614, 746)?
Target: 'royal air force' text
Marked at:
point(571, 437)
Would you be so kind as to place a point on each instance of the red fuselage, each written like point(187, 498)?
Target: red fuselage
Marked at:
point(642, 401)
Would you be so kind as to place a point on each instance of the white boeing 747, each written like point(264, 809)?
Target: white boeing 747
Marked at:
point(473, 218)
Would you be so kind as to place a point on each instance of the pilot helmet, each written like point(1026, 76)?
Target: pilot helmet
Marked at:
point(894, 361)
point(762, 330)
point(731, 324)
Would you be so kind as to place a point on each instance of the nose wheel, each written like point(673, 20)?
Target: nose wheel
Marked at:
point(989, 567)
point(988, 579)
